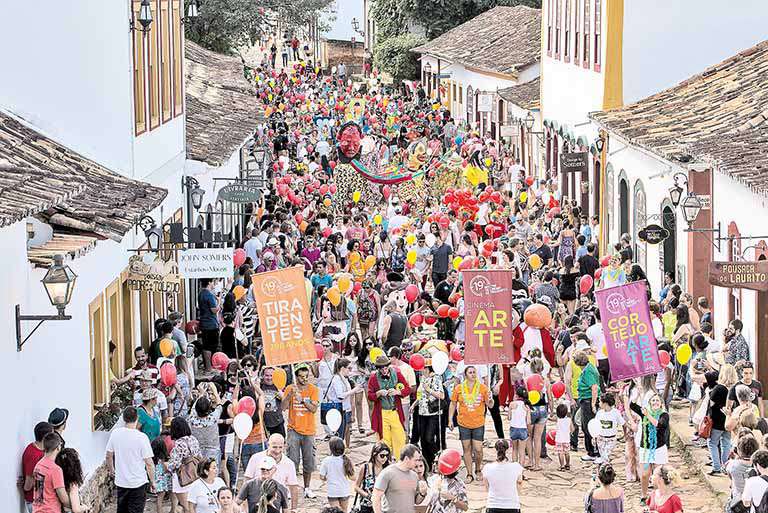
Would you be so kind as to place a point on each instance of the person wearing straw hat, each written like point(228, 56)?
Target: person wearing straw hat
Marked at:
point(386, 388)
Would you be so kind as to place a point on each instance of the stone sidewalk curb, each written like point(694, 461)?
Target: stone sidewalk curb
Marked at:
point(696, 457)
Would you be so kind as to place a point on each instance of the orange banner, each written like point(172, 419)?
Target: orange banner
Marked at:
point(284, 316)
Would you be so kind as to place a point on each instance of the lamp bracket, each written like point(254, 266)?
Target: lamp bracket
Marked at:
point(715, 241)
point(41, 318)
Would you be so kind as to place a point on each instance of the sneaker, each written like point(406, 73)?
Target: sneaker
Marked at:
point(587, 457)
point(309, 494)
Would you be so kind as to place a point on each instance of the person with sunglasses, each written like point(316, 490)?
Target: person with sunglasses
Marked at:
point(380, 459)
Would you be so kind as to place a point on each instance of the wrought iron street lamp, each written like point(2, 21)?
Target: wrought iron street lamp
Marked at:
point(195, 192)
point(676, 191)
point(144, 18)
point(691, 206)
point(192, 12)
point(59, 283)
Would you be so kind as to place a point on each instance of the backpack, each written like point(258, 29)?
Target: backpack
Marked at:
point(763, 506)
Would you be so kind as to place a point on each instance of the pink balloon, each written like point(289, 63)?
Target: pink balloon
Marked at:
point(239, 257)
point(246, 405)
point(411, 293)
point(585, 284)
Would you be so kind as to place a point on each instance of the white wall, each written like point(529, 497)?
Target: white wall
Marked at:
point(67, 70)
point(734, 202)
point(666, 42)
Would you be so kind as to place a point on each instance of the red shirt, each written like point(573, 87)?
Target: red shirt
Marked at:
point(672, 505)
point(29, 459)
point(48, 478)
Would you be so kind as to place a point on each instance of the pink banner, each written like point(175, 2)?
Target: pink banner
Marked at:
point(488, 315)
point(628, 331)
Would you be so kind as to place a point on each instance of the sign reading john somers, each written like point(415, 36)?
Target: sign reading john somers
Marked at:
point(206, 263)
point(739, 275)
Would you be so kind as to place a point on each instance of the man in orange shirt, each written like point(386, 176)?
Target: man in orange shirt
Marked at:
point(301, 400)
point(472, 398)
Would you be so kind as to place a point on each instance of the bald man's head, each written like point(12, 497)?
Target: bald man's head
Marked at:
point(276, 445)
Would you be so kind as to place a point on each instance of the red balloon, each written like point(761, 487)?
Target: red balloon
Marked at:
point(454, 298)
point(496, 197)
point(605, 261)
point(416, 320)
point(430, 319)
point(484, 196)
point(168, 374)
point(598, 273)
point(192, 327)
point(299, 218)
point(324, 189)
point(332, 164)
point(664, 358)
point(449, 462)
point(551, 437)
point(239, 257)
point(386, 191)
point(220, 361)
point(529, 181)
point(453, 313)
point(327, 232)
point(535, 382)
point(246, 405)
point(489, 230)
point(357, 287)
point(445, 221)
point(585, 283)
point(332, 188)
point(442, 311)
point(558, 389)
point(456, 355)
point(417, 362)
point(411, 293)
point(319, 351)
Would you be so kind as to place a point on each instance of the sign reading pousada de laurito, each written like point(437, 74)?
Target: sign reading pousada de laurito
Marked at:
point(739, 275)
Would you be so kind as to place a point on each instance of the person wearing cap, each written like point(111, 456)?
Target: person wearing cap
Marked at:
point(251, 492)
point(274, 464)
point(58, 419)
point(396, 357)
point(386, 388)
point(150, 421)
point(302, 401)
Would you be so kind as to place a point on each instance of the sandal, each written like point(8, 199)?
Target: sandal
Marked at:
point(470, 478)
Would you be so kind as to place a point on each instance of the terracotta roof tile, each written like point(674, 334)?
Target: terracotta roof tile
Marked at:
point(719, 115)
point(69, 190)
point(501, 40)
point(222, 108)
point(525, 96)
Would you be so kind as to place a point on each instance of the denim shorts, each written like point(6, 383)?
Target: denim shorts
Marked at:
point(472, 434)
point(538, 415)
point(518, 434)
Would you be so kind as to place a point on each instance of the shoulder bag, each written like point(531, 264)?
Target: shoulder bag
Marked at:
point(188, 470)
point(325, 406)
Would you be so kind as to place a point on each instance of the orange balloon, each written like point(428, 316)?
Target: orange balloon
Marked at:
point(166, 347)
point(370, 261)
point(354, 257)
point(279, 378)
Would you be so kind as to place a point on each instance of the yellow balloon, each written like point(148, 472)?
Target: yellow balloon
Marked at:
point(344, 284)
point(375, 353)
point(377, 219)
point(410, 239)
point(166, 347)
point(327, 202)
point(488, 162)
point(279, 378)
point(308, 286)
point(370, 261)
point(535, 261)
point(334, 296)
point(411, 256)
point(354, 257)
point(457, 262)
point(683, 353)
point(523, 196)
point(534, 397)
point(356, 196)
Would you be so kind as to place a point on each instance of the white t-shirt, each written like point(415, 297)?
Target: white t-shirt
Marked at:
point(285, 473)
point(610, 421)
point(332, 469)
point(754, 489)
point(131, 447)
point(563, 434)
point(518, 415)
point(203, 495)
point(597, 339)
point(502, 484)
point(422, 258)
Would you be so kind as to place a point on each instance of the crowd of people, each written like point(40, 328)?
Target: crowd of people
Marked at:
point(383, 263)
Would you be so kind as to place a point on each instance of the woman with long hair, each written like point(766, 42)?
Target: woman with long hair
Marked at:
point(430, 402)
point(340, 393)
point(185, 447)
point(651, 438)
point(183, 387)
point(358, 377)
point(683, 325)
point(69, 461)
point(270, 495)
point(397, 256)
point(568, 276)
point(381, 457)
point(605, 497)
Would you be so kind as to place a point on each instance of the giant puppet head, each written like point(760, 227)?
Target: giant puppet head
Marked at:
point(349, 142)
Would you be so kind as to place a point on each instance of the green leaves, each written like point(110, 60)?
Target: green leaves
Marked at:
point(394, 56)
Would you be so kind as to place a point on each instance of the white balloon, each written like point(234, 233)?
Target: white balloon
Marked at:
point(430, 239)
point(439, 362)
point(333, 419)
point(593, 426)
point(243, 424)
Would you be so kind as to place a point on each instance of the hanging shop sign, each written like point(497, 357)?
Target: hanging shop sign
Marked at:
point(157, 276)
point(470, 104)
point(484, 103)
point(206, 263)
point(240, 193)
point(739, 275)
point(574, 162)
point(509, 131)
point(653, 234)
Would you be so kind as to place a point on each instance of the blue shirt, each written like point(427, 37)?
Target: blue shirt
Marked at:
point(318, 280)
point(205, 302)
point(586, 231)
point(580, 252)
